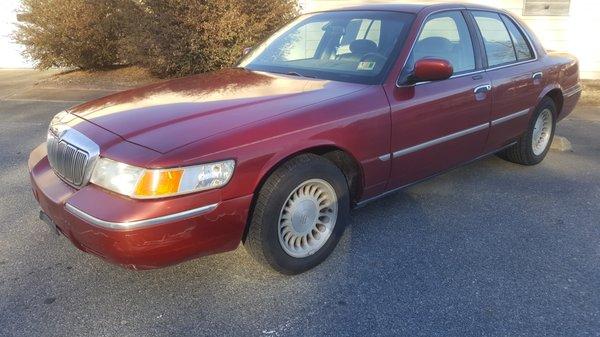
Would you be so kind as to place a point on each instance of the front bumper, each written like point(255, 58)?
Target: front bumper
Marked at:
point(140, 234)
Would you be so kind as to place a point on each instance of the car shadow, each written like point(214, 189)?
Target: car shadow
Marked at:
point(468, 252)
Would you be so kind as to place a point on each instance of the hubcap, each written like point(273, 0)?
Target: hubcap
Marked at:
point(307, 218)
point(541, 132)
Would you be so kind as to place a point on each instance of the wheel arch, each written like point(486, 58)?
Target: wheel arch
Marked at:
point(555, 93)
point(340, 157)
point(557, 96)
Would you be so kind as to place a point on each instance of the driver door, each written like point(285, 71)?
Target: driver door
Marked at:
point(438, 125)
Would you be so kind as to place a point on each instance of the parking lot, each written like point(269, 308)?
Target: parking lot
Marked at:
point(492, 249)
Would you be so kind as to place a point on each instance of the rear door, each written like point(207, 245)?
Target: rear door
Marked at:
point(515, 87)
point(437, 125)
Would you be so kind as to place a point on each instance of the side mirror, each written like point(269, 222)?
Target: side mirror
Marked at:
point(431, 70)
point(246, 51)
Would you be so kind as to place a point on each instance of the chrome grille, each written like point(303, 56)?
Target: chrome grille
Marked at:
point(71, 155)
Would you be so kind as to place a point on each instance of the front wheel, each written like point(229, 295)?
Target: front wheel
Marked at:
point(299, 215)
point(531, 148)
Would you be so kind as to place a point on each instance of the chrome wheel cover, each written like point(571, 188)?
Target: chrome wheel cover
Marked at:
point(542, 130)
point(307, 218)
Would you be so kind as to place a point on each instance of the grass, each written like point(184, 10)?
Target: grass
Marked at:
point(591, 93)
point(118, 77)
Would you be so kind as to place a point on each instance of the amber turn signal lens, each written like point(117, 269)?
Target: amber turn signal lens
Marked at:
point(157, 183)
point(141, 183)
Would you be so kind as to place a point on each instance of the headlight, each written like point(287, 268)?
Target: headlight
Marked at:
point(159, 183)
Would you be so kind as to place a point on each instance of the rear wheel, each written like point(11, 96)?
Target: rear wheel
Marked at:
point(299, 215)
point(531, 148)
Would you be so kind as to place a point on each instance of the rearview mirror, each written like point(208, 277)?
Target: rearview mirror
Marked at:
point(431, 70)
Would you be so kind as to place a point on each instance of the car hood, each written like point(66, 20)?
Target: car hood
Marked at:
point(174, 113)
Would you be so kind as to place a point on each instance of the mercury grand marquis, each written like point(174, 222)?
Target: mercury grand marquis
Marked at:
point(335, 110)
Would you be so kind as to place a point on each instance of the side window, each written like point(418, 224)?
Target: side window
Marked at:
point(498, 44)
point(446, 35)
point(522, 47)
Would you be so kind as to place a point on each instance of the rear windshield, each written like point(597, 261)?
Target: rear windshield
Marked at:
point(350, 46)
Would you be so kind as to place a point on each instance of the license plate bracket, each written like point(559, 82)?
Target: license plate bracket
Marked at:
point(48, 221)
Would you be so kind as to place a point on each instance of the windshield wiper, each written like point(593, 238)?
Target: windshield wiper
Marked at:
point(291, 73)
point(295, 73)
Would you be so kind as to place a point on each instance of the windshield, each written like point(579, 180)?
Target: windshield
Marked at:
point(350, 46)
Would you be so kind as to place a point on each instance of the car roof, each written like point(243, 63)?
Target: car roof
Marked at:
point(411, 8)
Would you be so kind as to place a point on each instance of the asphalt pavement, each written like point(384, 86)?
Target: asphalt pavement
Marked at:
point(490, 249)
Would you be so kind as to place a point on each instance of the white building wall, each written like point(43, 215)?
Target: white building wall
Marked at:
point(10, 53)
point(578, 33)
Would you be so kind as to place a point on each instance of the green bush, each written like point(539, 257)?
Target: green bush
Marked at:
point(168, 37)
point(180, 37)
point(72, 33)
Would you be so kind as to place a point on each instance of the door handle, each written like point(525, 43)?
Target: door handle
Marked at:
point(482, 89)
point(538, 75)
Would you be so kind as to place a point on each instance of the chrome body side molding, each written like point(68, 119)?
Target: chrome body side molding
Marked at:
point(509, 117)
point(452, 136)
point(440, 140)
point(140, 223)
point(386, 193)
point(573, 90)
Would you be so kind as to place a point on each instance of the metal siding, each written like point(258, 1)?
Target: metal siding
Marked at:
point(547, 7)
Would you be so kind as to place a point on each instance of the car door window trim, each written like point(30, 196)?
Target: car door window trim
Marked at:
point(416, 39)
point(506, 21)
point(520, 28)
point(451, 77)
point(483, 20)
point(486, 67)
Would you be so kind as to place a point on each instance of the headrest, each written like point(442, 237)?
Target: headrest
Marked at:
point(363, 47)
point(434, 44)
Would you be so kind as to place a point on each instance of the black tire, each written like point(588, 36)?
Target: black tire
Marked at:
point(522, 152)
point(262, 240)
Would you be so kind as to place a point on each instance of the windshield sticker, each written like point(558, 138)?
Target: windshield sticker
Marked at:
point(366, 65)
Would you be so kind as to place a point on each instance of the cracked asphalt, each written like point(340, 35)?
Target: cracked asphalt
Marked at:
point(492, 249)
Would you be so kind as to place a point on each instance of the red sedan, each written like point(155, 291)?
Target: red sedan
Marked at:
point(335, 110)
